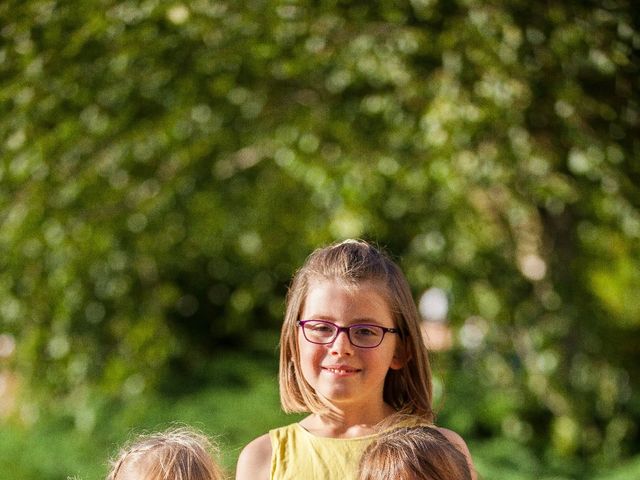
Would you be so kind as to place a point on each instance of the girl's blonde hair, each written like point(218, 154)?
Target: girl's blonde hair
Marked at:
point(413, 453)
point(179, 453)
point(353, 262)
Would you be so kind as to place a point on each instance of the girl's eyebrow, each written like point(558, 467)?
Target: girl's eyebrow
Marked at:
point(366, 320)
point(328, 318)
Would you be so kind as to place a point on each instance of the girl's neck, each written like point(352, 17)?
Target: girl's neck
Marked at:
point(342, 423)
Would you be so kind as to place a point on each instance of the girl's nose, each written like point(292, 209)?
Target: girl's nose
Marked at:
point(341, 344)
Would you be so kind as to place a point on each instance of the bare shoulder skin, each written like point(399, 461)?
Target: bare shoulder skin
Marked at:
point(457, 440)
point(254, 462)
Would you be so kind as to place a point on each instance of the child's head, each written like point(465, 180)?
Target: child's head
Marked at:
point(175, 454)
point(350, 264)
point(413, 453)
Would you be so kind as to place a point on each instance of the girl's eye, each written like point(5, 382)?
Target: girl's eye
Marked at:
point(320, 327)
point(367, 332)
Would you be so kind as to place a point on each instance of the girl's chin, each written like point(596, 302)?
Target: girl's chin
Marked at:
point(337, 397)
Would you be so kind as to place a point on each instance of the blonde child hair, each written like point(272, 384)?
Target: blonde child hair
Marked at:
point(351, 263)
point(178, 453)
point(417, 452)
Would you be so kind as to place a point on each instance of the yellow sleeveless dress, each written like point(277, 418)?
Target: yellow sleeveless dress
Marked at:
point(298, 454)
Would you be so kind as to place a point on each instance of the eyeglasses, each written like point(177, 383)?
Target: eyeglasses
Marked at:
point(365, 335)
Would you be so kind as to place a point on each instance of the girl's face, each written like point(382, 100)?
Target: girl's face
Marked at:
point(340, 372)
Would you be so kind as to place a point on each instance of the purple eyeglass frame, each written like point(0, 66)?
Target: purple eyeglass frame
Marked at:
point(347, 330)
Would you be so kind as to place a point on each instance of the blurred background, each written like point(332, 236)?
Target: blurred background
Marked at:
point(166, 166)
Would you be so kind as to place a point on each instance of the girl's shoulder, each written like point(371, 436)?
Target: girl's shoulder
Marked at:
point(461, 445)
point(254, 461)
point(453, 437)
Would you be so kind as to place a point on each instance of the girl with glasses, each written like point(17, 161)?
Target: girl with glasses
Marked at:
point(351, 355)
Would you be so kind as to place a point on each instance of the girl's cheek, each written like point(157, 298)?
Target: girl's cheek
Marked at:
point(309, 366)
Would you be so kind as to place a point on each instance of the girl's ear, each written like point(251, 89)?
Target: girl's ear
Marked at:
point(400, 357)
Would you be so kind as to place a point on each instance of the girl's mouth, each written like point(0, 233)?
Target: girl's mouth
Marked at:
point(341, 370)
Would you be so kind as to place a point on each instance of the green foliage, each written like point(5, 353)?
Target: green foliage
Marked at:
point(239, 401)
point(166, 166)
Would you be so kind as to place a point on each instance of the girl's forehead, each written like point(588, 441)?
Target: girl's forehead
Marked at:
point(335, 294)
point(351, 288)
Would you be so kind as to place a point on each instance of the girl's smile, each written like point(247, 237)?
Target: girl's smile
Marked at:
point(341, 370)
